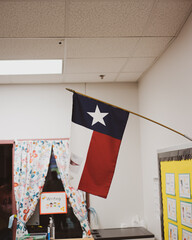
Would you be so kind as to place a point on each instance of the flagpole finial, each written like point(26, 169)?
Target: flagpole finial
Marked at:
point(70, 90)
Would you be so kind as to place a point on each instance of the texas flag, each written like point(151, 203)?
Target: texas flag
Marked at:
point(96, 134)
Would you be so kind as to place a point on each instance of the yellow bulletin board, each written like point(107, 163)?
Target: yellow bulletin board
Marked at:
point(176, 195)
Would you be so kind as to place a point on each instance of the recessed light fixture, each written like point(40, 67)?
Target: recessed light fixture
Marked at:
point(28, 67)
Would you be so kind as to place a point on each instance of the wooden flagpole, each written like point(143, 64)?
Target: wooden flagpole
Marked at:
point(146, 118)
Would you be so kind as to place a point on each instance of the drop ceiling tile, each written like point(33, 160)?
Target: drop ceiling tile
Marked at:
point(100, 47)
point(95, 18)
point(168, 17)
point(11, 48)
point(128, 77)
point(32, 18)
point(91, 77)
point(138, 64)
point(151, 46)
point(97, 65)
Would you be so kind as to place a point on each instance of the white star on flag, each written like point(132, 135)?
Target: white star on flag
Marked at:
point(97, 116)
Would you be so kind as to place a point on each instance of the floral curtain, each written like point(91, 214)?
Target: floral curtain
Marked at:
point(30, 169)
point(76, 197)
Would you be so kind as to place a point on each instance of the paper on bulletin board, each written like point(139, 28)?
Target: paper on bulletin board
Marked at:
point(184, 185)
point(171, 208)
point(53, 203)
point(186, 214)
point(170, 183)
point(186, 235)
point(173, 232)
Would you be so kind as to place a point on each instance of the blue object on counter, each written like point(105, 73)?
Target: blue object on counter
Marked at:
point(48, 233)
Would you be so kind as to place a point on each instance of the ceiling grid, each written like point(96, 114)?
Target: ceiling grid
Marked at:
point(120, 39)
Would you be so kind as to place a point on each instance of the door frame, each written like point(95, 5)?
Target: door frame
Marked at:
point(4, 142)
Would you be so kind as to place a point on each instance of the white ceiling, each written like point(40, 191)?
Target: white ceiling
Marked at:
point(120, 39)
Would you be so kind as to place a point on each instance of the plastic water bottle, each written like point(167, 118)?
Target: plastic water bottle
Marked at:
point(51, 229)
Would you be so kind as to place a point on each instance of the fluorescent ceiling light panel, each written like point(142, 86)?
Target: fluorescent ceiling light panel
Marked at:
point(28, 67)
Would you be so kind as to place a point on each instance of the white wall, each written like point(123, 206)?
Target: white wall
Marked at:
point(44, 111)
point(35, 111)
point(165, 96)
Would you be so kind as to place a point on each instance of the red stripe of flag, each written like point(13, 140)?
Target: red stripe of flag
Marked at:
point(100, 164)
